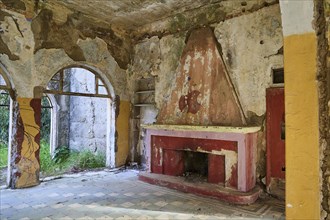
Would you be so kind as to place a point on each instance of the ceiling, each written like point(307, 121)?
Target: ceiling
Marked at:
point(129, 15)
point(139, 18)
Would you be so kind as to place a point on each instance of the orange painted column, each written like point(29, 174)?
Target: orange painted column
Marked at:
point(25, 144)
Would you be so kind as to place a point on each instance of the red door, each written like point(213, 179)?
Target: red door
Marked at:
point(275, 128)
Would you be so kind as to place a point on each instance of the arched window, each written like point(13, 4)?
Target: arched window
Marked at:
point(6, 107)
point(4, 118)
point(67, 81)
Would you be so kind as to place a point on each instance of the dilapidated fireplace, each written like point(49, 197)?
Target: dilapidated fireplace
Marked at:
point(202, 129)
point(229, 154)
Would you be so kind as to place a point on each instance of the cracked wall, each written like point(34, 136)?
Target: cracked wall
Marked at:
point(87, 115)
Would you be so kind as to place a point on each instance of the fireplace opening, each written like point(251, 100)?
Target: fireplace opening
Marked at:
point(195, 166)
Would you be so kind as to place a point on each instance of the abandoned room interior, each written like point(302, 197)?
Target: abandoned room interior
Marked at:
point(225, 101)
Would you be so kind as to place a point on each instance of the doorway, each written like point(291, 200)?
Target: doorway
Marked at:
point(84, 115)
point(275, 126)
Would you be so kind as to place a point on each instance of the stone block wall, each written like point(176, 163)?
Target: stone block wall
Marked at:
point(82, 120)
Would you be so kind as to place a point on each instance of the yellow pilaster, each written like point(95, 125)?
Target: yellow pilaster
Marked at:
point(302, 136)
point(122, 127)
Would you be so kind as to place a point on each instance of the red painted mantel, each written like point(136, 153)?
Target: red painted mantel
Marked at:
point(231, 153)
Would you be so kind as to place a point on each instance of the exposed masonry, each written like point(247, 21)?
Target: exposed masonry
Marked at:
point(322, 8)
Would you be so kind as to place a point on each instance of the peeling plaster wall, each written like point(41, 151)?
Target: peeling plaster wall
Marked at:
point(30, 68)
point(20, 44)
point(251, 45)
point(203, 94)
point(157, 57)
point(160, 58)
point(36, 69)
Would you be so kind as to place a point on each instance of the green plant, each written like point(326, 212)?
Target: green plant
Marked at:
point(65, 160)
point(50, 166)
point(61, 154)
point(3, 155)
point(87, 159)
point(46, 162)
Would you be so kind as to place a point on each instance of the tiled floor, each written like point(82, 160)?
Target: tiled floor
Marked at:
point(110, 195)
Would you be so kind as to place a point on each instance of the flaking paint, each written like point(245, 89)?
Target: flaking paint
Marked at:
point(203, 93)
point(27, 162)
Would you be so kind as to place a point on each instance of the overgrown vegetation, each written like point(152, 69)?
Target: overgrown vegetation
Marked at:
point(4, 124)
point(3, 155)
point(66, 161)
point(4, 118)
point(87, 159)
